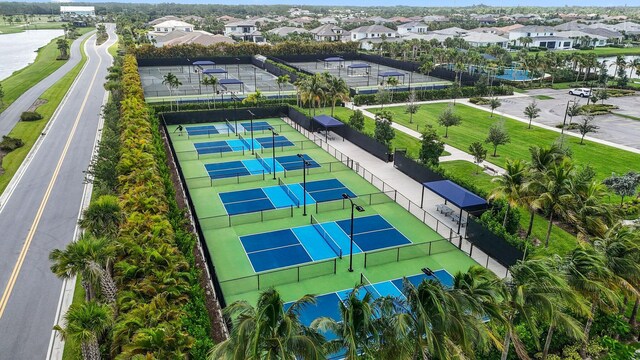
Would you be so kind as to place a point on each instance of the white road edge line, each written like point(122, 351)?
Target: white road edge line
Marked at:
point(8, 191)
point(56, 343)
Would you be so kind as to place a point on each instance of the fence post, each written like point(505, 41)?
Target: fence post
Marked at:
point(258, 275)
point(430, 248)
point(365, 260)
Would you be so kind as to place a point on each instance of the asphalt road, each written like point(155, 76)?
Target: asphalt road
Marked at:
point(11, 115)
point(41, 213)
point(615, 129)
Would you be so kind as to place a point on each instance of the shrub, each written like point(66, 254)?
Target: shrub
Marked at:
point(426, 95)
point(30, 116)
point(9, 144)
point(479, 100)
point(597, 109)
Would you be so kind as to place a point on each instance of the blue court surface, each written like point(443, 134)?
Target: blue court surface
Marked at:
point(255, 166)
point(285, 195)
point(319, 241)
point(242, 144)
point(373, 232)
point(327, 305)
point(207, 129)
point(257, 126)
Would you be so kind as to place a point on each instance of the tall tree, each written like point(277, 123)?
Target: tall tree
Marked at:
point(86, 323)
point(623, 185)
point(431, 147)
point(63, 47)
point(383, 131)
point(268, 331)
point(509, 186)
point(356, 120)
point(532, 111)
point(494, 103)
point(103, 216)
point(478, 152)
point(573, 110)
point(587, 126)
point(337, 89)
point(172, 82)
point(411, 109)
point(448, 118)
point(497, 136)
point(281, 81)
point(91, 258)
point(556, 185)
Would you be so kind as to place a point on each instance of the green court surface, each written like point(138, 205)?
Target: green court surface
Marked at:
point(222, 232)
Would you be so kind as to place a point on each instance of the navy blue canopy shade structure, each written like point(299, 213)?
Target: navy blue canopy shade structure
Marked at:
point(203, 62)
point(213, 71)
point(332, 59)
point(462, 198)
point(225, 82)
point(327, 122)
point(351, 69)
point(386, 74)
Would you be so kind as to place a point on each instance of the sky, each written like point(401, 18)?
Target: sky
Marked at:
point(425, 3)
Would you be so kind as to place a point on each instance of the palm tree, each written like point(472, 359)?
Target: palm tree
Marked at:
point(556, 189)
point(268, 331)
point(587, 274)
point(532, 292)
point(586, 210)
point(393, 328)
point(355, 331)
point(172, 82)
point(89, 257)
point(621, 252)
point(63, 47)
point(337, 89)
point(281, 81)
point(620, 63)
point(213, 82)
point(509, 186)
point(103, 217)
point(86, 322)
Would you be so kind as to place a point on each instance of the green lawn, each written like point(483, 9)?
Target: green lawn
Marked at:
point(627, 116)
point(475, 125)
point(39, 23)
point(543, 97)
point(611, 51)
point(30, 131)
point(113, 49)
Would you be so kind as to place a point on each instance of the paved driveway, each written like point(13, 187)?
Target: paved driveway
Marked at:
point(612, 128)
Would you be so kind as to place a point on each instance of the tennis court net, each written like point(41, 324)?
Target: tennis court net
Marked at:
point(368, 287)
point(244, 141)
point(326, 237)
point(230, 126)
point(289, 193)
point(263, 163)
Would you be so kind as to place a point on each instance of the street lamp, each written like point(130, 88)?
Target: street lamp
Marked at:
point(189, 61)
point(251, 121)
point(305, 163)
point(360, 209)
point(273, 147)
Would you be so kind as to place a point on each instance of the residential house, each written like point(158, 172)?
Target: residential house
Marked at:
point(328, 32)
point(365, 33)
point(452, 31)
point(477, 39)
point(412, 27)
point(399, 19)
point(286, 30)
point(227, 19)
point(301, 21)
point(172, 25)
point(378, 20)
point(531, 32)
point(200, 37)
point(488, 30)
point(584, 39)
point(328, 20)
point(163, 19)
point(435, 18)
point(244, 30)
point(613, 37)
point(295, 12)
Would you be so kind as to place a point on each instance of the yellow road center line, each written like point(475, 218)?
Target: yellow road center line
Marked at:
point(34, 226)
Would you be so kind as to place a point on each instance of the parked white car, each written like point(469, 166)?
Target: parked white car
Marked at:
point(582, 92)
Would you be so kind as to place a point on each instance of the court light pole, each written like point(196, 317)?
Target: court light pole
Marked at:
point(305, 163)
point(238, 60)
point(189, 67)
point(360, 209)
point(251, 121)
point(273, 147)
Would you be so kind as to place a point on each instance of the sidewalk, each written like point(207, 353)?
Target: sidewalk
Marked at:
point(456, 154)
point(411, 189)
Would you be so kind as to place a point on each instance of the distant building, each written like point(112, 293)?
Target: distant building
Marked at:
point(328, 32)
point(200, 37)
point(245, 30)
point(70, 12)
point(412, 27)
point(365, 34)
point(172, 25)
point(477, 39)
point(287, 30)
point(163, 19)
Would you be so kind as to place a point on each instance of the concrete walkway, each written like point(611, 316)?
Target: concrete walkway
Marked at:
point(455, 153)
point(410, 194)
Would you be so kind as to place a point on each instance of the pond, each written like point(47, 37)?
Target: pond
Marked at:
point(19, 49)
point(611, 63)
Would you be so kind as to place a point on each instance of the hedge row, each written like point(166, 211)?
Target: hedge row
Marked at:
point(426, 95)
point(289, 69)
point(160, 299)
point(243, 49)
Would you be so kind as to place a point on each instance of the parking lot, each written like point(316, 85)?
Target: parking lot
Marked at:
point(613, 128)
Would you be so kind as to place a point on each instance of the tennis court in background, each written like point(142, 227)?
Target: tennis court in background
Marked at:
point(282, 195)
point(318, 241)
point(241, 144)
